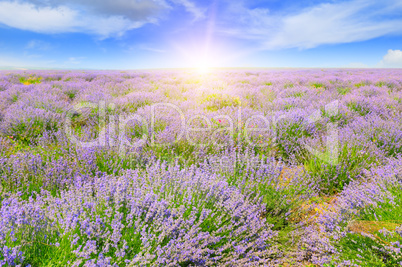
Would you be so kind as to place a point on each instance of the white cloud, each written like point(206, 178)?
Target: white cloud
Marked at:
point(149, 48)
point(38, 45)
point(191, 8)
point(26, 16)
point(393, 59)
point(103, 18)
point(74, 61)
point(61, 19)
point(327, 23)
point(134, 10)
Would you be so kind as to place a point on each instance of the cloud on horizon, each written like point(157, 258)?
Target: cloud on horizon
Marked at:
point(393, 59)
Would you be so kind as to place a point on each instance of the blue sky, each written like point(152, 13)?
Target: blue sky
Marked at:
point(137, 34)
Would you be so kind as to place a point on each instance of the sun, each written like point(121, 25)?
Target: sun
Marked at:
point(202, 57)
point(205, 64)
point(203, 68)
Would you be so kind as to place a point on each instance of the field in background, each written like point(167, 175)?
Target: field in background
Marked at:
point(179, 168)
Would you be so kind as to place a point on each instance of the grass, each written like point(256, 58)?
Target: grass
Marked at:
point(341, 118)
point(30, 130)
point(344, 90)
point(297, 94)
point(391, 145)
point(71, 94)
point(389, 211)
point(369, 250)
point(290, 135)
point(279, 191)
point(362, 83)
point(367, 244)
point(216, 102)
point(360, 108)
point(288, 85)
point(30, 80)
point(135, 105)
point(332, 178)
point(318, 85)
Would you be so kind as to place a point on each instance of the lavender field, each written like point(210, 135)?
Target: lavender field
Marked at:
point(181, 168)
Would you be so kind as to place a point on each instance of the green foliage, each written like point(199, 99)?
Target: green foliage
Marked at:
point(332, 178)
point(390, 85)
point(392, 146)
point(270, 95)
point(39, 243)
point(282, 203)
point(54, 78)
point(181, 152)
point(362, 83)
point(30, 80)
point(14, 98)
point(371, 247)
point(288, 85)
point(30, 130)
point(389, 211)
point(318, 85)
point(31, 182)
point(369, 241)
point(297, 94)
point(340, 117)
point(71, 94)
point(380, 84)
point(253, 101)
point(370, 250)
point(216, 102)
point(132, 107)
point(288, 106)
point(359, 108)
point(290, 135)
point(344, 90)
point(281, 195)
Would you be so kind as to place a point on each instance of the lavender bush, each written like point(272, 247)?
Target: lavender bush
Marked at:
point(177, 168)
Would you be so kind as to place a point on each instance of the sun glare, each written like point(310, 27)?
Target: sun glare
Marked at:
point(203, 58)
point(205, 64)
point(203, 68)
